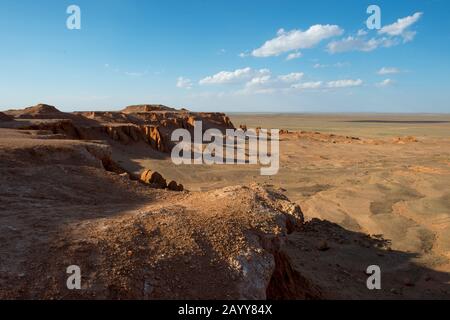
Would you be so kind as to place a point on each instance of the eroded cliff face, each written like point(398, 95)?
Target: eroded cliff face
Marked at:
point(152, 124)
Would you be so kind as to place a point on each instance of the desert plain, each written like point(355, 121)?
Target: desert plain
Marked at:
point(353, 190)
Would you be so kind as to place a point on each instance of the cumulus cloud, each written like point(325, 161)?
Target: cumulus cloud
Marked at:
point(184, 83)
point(258, 81)
point(384, 83)
point(344, 83)
point(388, 70)
point(390, 35)
point(359, 44)
point(291, 77)
point(296, 40)
point(293, 56)
point(262, 81)
point(336, 65)
point(307, 85)
point(400, 27)
point(336, 84)
point(361, 32)
point(269, 84)
point(236, 76)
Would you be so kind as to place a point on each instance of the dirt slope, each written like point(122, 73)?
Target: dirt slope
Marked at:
point(59, 207)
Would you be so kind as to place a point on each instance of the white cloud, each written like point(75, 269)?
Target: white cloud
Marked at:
point(359, 44)
point(296, 39)
point(237, 76)
point(400, 27)
point(291, 77)
point(265, 83)
point(262, 81)
point(388, 70)
point(293, 56)
point(330, 84)
point(307, 85)
point(269, 84)
point(344, 83)
point(223, 77)
point(184, 83)
point(319, 66)
point(391, 36)
point(336, 65)
point(258, 81)
point(361, 32)
point(384, 83)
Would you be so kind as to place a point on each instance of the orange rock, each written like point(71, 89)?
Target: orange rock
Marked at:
point(154, 178)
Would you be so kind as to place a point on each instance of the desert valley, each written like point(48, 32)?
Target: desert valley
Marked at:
point(99, 190)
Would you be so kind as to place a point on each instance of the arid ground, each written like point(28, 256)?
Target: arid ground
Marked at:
point(352, 191)
point(393, 183)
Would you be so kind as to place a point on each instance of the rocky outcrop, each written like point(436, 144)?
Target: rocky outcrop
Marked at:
point(150, 246)
point(147, 108)
point(154, 179)
point(152, 124)
point(39, 111)
point(5, 117)
point(405, 140)
point(64, 127)
point(288, 284)
point(154, 137)
point(42, 112)
point(105, 117)
point(174, 186)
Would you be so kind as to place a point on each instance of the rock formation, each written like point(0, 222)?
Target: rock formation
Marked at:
point(156, 180)
point(174, 186)
point(153, 178)
point(5, 117)
point(147, 108)
point(39, 111)
point(152, 124)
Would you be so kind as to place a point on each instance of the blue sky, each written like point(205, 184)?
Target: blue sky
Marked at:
point(248, 56)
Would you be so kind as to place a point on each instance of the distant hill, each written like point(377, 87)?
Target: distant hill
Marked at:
point(147, 108)
point(36, 112)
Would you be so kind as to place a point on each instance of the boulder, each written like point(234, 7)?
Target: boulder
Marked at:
point(153, 178)
point(175, 186)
